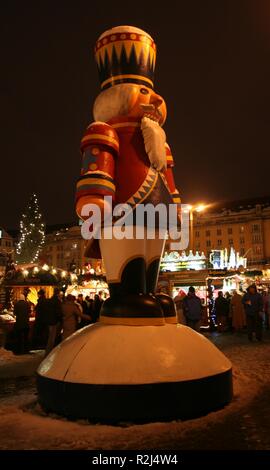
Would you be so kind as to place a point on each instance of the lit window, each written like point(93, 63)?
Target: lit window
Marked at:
point(256, 228)
point(256, 238)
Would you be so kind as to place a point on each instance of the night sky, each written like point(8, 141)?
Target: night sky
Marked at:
point(213, 69)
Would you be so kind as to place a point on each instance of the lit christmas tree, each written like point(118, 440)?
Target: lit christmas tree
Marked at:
point(32, 233)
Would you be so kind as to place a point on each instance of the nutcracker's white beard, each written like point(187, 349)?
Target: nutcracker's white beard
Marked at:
point(115, 102)
point(154, 141)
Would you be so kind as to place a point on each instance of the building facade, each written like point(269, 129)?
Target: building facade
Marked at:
point(243, 225)
point(7, 243)
point(7, 250)
point(64, 249)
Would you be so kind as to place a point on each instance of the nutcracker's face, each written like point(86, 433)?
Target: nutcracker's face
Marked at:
point(145, 102)
point(130, 100)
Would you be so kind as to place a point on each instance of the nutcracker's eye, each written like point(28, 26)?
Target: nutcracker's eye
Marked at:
point(144, 91)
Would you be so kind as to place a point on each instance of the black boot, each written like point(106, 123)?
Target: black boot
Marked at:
point(129, 303)
point(168, 307)
point(152, 276)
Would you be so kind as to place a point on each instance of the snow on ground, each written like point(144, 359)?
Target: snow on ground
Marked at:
point(12, 365)
point(243, 424)
point(5, 356)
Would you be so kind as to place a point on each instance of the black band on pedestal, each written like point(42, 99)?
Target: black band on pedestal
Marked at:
point(136, 403)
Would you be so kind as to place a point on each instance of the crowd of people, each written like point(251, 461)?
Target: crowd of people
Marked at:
point(231, 312)
point(56, 319)
point(60, 316)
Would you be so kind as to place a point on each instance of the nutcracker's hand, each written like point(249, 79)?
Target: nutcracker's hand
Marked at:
point(154, 140)
point(84, 210)
point(90, 228)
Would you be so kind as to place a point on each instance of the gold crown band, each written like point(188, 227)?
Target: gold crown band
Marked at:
point(127, 76)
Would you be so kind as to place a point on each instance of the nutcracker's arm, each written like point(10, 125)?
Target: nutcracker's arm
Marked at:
point(99, 147)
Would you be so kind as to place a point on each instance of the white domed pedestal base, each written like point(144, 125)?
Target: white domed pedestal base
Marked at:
point(112, 373)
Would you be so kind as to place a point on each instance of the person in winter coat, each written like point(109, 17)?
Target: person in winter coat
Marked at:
point(253, 304)
point(40, 335)
point(192, 308)
point(222, 311)
point(237, 312)
point(71, 314)
point(54, 319)
point(22, 313)
point(96, 307)
point(266, 307)
point(178, 300)
point(86, 318)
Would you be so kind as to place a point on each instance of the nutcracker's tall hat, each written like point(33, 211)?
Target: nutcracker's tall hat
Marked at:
point(125, 54)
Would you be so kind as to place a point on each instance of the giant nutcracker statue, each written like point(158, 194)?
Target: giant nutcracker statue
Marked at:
point(135, 363)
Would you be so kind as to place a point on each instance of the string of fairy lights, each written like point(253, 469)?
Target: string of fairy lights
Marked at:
point(58, 272)
point(51, 270)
